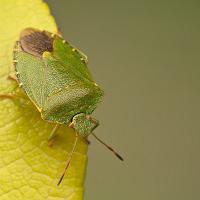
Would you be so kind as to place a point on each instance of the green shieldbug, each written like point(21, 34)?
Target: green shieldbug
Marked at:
point(55, 77)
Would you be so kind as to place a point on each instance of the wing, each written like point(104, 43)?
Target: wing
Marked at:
point(31, 74)
point(70, 56)
point(36, 42)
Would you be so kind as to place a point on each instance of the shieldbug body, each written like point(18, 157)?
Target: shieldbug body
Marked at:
point(55, 77)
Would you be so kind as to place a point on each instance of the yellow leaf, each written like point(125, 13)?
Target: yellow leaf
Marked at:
point(29, 169)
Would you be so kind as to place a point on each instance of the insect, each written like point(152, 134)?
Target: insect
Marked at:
point(55, 77)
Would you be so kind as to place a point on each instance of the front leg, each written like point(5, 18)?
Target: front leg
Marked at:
point(53, 135)
point(87, 141)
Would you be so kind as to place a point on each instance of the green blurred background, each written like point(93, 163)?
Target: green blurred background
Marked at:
point(146, 55)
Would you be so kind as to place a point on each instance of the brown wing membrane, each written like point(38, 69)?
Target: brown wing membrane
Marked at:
point(36, 42)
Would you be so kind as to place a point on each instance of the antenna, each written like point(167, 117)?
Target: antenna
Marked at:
point(109, 147)
point(69, 160)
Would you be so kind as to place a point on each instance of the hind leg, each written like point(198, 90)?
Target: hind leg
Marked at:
point(12, 77)
point(12, 96)
point(7, 96)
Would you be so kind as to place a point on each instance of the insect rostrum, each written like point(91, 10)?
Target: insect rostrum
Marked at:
point(55, 77)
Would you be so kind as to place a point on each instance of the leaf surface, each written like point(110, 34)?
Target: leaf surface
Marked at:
point(29, 169)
